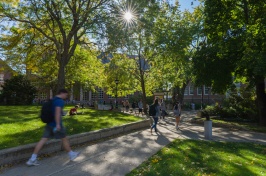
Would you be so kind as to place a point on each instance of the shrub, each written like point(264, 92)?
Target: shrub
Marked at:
point(239, 105)
point(18, 91)
point(213, 110)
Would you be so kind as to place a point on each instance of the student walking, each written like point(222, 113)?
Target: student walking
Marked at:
point(163, 108)
point(54, 129)
point(177, 113)
point(155, 117)
point(140, 106)
point(127, 105)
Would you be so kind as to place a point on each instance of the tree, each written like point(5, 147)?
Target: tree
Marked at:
point(175, 34)
point(236, 46)
point(18, 91)
point(120, 68)
point(135, 41)
point(63, 24)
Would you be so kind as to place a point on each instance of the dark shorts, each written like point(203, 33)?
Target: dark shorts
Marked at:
point(140, 109)
point(48, 133)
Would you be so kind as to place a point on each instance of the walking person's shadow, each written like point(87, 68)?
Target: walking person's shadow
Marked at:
point(161, 139)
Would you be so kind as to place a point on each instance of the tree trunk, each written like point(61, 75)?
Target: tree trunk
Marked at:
point(178, 93)
point(261, 99)
point(182, 92)
point(144, 98)
point(174, 94)
point(61, 77)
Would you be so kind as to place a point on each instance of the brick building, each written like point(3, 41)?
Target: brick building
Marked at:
point(194, 94)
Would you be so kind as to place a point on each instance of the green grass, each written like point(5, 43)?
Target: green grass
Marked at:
point(238, 125)
point(197, 158)
point(21, 125)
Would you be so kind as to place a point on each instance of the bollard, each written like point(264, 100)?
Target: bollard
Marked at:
point(208, 129)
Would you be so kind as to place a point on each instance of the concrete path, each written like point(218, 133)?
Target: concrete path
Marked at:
point(120, 155)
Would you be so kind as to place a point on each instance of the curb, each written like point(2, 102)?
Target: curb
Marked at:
point(22, 153)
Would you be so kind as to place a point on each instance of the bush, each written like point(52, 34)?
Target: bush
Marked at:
point(18, 91)
point(240, 105)
point(229, 113)
point(213, 110)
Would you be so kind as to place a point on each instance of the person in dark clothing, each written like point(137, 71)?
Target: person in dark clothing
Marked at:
point(155, 118)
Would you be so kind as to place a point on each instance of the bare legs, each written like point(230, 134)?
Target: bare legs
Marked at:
point(66, 144)
point(39, 145)
point(177, 118)
point(44, 140)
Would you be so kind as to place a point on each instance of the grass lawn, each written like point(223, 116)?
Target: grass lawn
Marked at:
point(239, 125)
point(198, 158)
point(21, 125)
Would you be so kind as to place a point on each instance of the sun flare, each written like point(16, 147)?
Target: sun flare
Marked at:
point(128, 14)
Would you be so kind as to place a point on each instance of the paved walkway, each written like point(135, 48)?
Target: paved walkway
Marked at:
point(120, 155)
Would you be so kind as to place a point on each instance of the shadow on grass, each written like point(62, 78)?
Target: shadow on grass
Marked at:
point(23, 117)
point(11, 114)
point(191, 157)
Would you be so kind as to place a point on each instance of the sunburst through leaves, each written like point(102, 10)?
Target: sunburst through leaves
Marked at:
point(128, 13)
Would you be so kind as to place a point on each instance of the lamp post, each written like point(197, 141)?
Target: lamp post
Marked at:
point(116, 83)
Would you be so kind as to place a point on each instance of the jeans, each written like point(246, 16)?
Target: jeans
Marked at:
point(155, 120)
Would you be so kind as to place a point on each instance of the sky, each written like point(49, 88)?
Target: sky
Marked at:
point(186, 4)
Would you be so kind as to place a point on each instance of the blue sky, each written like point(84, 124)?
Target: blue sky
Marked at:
point(186, 4)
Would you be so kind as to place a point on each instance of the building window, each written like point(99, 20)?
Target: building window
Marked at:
point(110, 97)
point(186, 91)
point(93, 95)
point(207, 90)
point(100, 93)
point(43, 96)
point(191, 90)
point(85, 96)
point(1, 78)
point(199, 90)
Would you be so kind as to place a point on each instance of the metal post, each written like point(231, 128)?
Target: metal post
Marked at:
point(116, 103)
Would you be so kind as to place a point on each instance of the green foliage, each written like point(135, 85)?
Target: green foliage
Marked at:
point(235, 47)
point(239, 105)
point(18, 91)
point(21, 125)
point(124, 69)
point(192, 157)
point(57, 27)
point(85, 68)
point(213, 110)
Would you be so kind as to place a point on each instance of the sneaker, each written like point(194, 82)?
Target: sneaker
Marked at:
point(32, 163)
point(74, 156)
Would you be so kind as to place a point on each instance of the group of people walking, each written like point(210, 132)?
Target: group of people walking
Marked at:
point(160, 109)
point(134, 106)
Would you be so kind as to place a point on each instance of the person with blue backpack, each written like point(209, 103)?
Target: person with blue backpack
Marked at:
point(154, 111)
point(51, 114)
